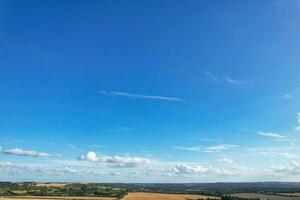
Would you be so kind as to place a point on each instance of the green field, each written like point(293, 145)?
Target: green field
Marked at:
point(55, 189)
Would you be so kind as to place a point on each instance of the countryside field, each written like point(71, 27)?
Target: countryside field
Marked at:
point(55, 198)
point(157, 196)
point(290, 194)
point(130, 196)
point(264, 196)
point(51, 184)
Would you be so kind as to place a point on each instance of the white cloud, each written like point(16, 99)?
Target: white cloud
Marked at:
point(286, 97)
point(198, 170)
point(9, 167)
point(297, 128)
point(292, 168)
point(269, 134)
point(21, 152)
point(116, 161)
point(226, 160)
point(208, 149)
point(188, 169)
point(140, 96)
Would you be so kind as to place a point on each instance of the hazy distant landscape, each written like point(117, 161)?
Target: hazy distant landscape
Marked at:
point(139, 191)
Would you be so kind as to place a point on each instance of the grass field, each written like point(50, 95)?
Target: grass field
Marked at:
point(55, 198)
point(264, 196)
point(158, 196)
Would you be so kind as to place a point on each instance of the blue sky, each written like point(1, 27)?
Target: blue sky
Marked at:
point(149, 91)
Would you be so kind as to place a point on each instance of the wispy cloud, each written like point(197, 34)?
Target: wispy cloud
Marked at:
point(13, 142)
point(120, 129)
point(95, 146)
point(207, 139)
point(209, 75)
point(286, 97)
point(74, 147)
point(140, 96)
point(21, 152)
point(283, 152)
point(225, 79)
point(297, 128)
point(226, 160)
point(271, 135)
point(208, 149)
point(275, 136)
point(233, 81)
point(247, 130)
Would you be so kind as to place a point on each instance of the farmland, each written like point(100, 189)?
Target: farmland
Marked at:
point(151, 191)
point(265, 196)
point(57, 190)
point(290, 194)
point(51, 184)
point(55, 198)
point(157, 196)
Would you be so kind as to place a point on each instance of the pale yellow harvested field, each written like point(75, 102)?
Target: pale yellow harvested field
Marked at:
point(55, 198)
point(158, 196)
